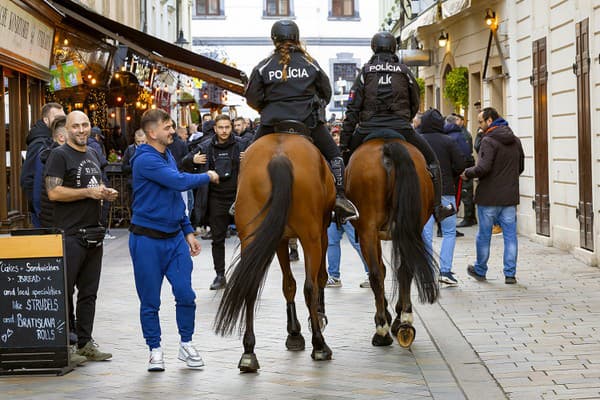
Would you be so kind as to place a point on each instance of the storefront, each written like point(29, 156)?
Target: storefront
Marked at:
point(26, 39)
point(59, 50)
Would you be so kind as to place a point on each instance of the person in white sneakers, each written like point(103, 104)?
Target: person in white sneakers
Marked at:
point(162, 238)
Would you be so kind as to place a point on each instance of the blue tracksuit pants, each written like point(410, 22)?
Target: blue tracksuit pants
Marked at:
point(153, 259)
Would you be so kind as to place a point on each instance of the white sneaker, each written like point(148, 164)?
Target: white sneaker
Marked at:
point(157, 362)
point(190, 354)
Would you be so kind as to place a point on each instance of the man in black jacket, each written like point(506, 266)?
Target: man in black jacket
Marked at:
point(501, 161)
point(385, 95)
point(452, 163)
point(291, 85)
point(223, 154)
point(39, 138)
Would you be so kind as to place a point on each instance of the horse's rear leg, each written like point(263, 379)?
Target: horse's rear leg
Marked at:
point(313, 254)
point(249, 362)
point(371, 250)
point(295, 340)
point(403, 327)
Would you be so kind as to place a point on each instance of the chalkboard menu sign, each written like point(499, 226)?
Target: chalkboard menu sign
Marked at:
point(33, 308)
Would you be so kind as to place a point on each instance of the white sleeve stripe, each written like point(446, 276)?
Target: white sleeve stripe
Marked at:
point(313, 64)
point(260, 70)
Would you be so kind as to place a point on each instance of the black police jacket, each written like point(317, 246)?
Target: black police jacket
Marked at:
point(385, 94)
point(295, 98)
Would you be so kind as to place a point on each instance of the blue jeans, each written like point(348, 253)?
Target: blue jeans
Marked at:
point(448, 233)
point(506, 217)
point(334, 251)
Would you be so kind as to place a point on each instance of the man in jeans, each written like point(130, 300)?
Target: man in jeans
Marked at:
point(501, 161)
point(452, 163)
point(334, 236)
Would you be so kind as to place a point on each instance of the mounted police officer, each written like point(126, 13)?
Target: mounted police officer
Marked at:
point(290, 84)
point(386, 96)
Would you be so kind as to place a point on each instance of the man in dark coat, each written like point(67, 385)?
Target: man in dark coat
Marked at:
point(501, 161)
point(452, 163)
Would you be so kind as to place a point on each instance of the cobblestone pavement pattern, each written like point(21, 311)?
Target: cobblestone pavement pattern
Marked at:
point(537, 339)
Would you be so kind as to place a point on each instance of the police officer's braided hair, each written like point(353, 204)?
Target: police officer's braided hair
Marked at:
point(284, 48)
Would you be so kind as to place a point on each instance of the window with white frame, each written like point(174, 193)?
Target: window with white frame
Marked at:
point(277, 8)
point(209, 8)
point(343, 8)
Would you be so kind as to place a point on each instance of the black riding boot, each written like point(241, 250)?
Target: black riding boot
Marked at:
point(440, 212)
point(344, 208)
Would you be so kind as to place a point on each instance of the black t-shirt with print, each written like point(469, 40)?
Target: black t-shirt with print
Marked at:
point(77, 170)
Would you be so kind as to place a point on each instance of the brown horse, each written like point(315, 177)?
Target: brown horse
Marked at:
point(388, 181)
point(285, 190)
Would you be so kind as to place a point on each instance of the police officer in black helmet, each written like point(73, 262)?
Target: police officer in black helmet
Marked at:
point(290, 84)
point(386, 95)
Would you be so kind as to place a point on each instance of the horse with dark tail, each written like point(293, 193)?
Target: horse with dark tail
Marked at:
point(295, 201)
point(395, 199)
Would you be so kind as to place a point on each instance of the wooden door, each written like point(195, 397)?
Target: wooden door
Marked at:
point(581, 68)
point(539, 77)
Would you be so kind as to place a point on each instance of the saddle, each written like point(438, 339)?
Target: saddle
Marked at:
point(292, 127)
point(384, 133)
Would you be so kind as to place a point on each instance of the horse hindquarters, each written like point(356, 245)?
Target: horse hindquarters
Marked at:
point(258, 250)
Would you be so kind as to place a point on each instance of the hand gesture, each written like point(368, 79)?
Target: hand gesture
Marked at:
point(199, 158)
point(193, 243)
point(242, 155)
point(213, 176)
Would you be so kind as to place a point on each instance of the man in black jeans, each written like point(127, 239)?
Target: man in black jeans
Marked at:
point(73, 180)
point(223, 154)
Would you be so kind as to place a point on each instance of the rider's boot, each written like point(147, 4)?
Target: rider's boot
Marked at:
point(440, 212)
point(344, 209)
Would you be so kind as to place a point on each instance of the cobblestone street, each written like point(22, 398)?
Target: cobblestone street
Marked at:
point(534, 340)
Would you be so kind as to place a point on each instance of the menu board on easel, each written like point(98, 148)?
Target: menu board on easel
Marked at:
point(34, 331)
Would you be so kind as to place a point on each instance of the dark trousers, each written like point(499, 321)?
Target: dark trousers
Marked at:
point(320, 136)
point(466, 196)
point(83, 271)
point(219, 219)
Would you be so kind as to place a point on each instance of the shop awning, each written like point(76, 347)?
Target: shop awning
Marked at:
point(153, 48)
point(430, 16)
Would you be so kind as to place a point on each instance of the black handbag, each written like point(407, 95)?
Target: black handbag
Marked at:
point(92, 236)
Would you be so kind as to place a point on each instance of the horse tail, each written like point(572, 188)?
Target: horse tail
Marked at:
point(250, 269)
point(409, 253)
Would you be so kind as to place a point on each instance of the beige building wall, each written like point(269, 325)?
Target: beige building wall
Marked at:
point(126, 12)
point(520, 24)
point(162, 19)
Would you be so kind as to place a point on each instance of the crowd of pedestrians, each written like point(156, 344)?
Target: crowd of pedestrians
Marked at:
point(182, 182)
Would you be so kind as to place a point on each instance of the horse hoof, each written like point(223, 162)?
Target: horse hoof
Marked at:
point(406, 335)
point(379, 340)
point(321, 355)
point(248, 363)
point(295, 342)
point(323, 321)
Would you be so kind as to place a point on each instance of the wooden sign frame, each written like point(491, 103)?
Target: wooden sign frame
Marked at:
point(28, 357)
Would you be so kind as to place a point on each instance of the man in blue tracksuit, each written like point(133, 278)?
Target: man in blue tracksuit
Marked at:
point(162, 237)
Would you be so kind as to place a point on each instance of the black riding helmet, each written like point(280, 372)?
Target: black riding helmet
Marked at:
point(383, 42)
point(285, 30)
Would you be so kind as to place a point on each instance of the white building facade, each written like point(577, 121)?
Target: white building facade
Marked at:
point(337, 33)
point(541, 71)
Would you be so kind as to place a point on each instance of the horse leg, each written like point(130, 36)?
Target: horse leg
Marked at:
point(372, 253)
point(249, 362)
point(295, 340)
point(313, 258)
point(402, 327)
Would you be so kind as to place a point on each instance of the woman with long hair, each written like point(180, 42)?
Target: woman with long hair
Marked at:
point(290, 85)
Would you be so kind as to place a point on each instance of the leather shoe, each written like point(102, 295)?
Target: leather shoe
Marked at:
point(218, 283)
point(466, 222)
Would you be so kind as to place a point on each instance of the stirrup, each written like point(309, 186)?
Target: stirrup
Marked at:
point(345, 210)
point(442, 212)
